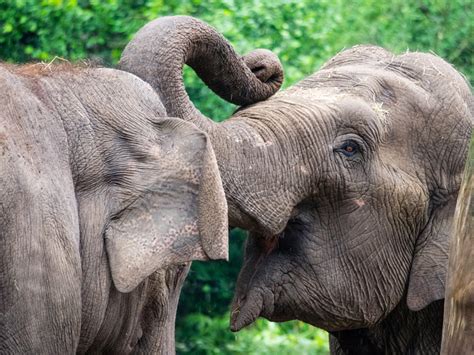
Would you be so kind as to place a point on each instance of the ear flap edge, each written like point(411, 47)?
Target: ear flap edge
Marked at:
point(180, 213)
point(428, 273)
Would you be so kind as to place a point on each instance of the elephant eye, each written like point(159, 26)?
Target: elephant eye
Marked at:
point(349, 148)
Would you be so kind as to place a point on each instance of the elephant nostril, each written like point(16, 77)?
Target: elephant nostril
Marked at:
point(260, 68)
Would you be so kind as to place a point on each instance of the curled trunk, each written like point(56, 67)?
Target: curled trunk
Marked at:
point(160, 49)
point(158, 53)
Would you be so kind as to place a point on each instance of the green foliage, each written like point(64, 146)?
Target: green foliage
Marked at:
point(206, 335)
point(212, 283)
point(72, 29)
point(304, 33)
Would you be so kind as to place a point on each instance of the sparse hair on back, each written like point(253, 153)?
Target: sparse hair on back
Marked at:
point(57, 64)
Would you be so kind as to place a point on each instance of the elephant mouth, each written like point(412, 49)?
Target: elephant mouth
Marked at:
point(255, 301)
point(265, 284)
point(245, 311)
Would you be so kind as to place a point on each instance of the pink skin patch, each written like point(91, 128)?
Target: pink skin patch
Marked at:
point(359, 202)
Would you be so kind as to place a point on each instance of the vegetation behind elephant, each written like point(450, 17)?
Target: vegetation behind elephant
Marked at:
point(104, 201)
point(347, 181)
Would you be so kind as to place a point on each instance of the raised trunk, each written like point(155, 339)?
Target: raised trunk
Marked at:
point(160, 49)
point(158, 53)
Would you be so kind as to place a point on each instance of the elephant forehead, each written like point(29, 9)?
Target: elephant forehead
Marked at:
point(328, 95)
point(317, 108)
point(323, 100)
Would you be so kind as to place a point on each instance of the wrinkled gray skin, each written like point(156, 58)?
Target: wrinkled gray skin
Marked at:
point(103, 202)
point(347, 181)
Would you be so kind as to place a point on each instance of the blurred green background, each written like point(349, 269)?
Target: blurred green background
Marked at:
point(304, 33)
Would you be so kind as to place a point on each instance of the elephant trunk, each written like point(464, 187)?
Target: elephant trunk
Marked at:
point(157, 55)
point(160, 49)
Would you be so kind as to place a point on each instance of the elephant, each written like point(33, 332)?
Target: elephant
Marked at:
point(104, 201)
point(458, 323)
point(346, 181)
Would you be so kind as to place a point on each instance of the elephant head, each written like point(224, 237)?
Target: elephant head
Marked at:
point(347, 181)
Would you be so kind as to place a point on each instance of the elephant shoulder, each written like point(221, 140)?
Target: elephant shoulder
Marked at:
point(34, 162)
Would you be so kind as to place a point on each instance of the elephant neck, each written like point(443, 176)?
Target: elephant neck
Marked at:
point(402, 332)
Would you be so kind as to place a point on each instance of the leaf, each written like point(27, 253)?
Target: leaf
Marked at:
point(7, 27)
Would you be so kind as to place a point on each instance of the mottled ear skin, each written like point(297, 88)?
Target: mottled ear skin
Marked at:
point(428, 273)
point(180, 214)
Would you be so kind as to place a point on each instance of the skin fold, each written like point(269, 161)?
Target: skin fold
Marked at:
point(104, 201)
point(347, 181)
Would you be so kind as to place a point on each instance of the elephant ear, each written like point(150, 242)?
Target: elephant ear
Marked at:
point(427, 280)
point(180, 214)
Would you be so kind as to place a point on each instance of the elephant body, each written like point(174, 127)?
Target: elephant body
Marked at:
point(102, 204)
point(346, 181)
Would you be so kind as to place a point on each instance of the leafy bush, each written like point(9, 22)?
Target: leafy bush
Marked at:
point(72, 29)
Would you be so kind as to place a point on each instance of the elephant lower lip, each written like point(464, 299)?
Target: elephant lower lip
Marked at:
point(248, 306)
point(245, 311)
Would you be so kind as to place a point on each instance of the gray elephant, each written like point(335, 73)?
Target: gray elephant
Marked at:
point(347, 181)
point(104, 200)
